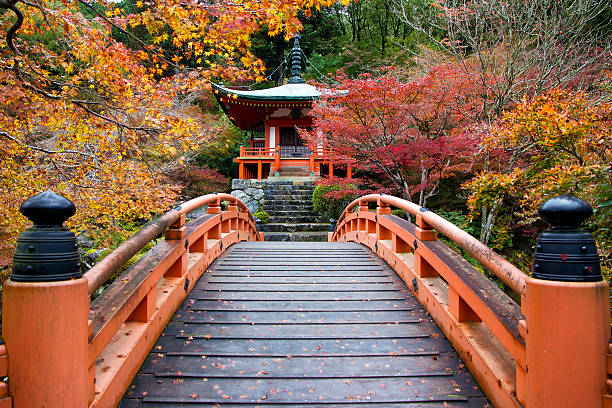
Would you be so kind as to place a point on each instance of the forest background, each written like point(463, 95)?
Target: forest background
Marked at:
point(478, 110)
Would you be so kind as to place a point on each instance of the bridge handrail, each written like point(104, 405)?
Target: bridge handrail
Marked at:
point(504, 270)
point(549, 352)
point(107, 267)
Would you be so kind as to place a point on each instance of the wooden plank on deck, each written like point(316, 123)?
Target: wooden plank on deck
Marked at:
point(300, 325)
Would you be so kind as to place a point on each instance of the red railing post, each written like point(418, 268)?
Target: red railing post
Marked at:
point(424, 231)
point(363, 206)
point(422, 268)
point(232, 210)
point(567, 313)
point(383, 209)
point(177, 231)
point(214, 208)
point(243, 225)
point(45, 312)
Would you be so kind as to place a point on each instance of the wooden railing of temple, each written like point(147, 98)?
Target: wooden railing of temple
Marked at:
point(257, 151)
point(273, 156)
point(65, 352)
point(548, 352)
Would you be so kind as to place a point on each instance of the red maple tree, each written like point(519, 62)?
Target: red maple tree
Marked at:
point(408, 132)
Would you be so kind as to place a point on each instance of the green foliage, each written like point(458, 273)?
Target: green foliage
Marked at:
point(219, 153)
point(125, 266)
point(398, 212)
point(262, 216)
point(459, 219)
point(331, 199)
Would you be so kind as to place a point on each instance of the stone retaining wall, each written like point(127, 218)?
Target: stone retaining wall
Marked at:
point(251, 192)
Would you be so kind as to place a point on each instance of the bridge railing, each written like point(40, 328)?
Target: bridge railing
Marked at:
point(65, 352)
point(548, 352)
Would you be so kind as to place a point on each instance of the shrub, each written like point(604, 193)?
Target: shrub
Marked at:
point(198, 181)
point(331, 199)
point(398, 212)
point(262, 216)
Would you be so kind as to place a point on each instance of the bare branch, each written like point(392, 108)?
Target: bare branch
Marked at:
point(42, 150)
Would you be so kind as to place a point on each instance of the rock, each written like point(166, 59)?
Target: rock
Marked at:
point(253, 206)
point(84, 241)
point(256, 193)
point(91, 257)
point(239, 194)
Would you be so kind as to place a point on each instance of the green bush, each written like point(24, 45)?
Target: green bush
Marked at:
point(331, 206)
point(262, 216)
point(459, 219)
point(400, 213)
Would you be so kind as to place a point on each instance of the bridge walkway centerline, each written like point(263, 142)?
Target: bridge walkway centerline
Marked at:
point(299, 325)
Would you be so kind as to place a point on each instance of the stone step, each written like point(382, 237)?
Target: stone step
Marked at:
point(318, 236)
point(287, 202)
point(287, 227)
point(294, 219)
point(281, 193)
point(277, 207)
point(302, 189)
point(288, 197)
point(303, 213)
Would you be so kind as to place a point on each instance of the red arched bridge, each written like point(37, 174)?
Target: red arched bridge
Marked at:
point(384, 314)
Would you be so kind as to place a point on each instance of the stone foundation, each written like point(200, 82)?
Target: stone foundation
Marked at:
point(251, 192)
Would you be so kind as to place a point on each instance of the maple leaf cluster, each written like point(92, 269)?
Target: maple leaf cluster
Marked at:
point(94, 118)
point(555, 143)
point(406, 132)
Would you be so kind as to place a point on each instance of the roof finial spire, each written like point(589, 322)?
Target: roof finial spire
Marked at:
point(296, 62)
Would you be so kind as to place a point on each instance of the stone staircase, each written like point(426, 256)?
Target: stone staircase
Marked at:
point(289, 205)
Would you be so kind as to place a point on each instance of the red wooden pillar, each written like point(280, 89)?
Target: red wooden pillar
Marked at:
point(312, 164)
point(349, 171)
point(331, 169)
point(277, 161)
point(259, 170)
point(383, 208)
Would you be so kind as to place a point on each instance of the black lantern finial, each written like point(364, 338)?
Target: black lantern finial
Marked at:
point(566, 252)
point(47, 251)
point(48, 209)
point(296, 62)
point(565, 212)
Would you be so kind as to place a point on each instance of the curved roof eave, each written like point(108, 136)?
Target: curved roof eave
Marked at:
point(288, 92)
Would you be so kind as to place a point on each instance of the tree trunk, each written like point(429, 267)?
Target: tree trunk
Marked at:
point(422, 196)
point(489, 222)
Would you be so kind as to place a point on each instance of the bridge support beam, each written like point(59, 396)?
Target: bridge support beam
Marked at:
point(567, 311)
point(45, 329)
point(567, 340)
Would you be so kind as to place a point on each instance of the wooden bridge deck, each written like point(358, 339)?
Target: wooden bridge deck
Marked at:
point(302, 324)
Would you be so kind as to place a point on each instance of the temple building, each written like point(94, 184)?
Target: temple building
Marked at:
point(272, 117)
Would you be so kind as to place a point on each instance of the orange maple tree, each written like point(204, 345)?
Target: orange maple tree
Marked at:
point(92, 118)
point(555, 143)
